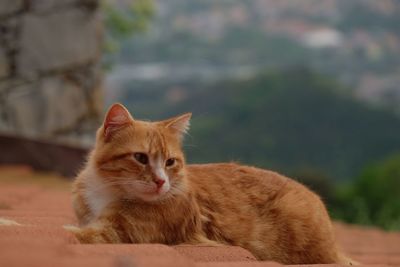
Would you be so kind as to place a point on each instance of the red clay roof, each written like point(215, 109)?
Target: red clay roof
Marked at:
point(39, 239)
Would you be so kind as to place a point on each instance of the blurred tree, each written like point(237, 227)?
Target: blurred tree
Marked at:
point(122, 20)
point(373, 198)
point(318, 182)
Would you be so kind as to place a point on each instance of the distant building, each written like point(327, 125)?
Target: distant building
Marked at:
point(322, 38)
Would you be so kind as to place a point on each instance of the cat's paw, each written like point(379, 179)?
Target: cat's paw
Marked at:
point(71, 228)
point(88, 235)
point(78, 232)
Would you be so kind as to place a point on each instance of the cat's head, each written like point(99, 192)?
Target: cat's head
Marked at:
point(140, 159)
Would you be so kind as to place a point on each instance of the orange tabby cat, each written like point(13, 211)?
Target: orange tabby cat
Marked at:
point(136, 188)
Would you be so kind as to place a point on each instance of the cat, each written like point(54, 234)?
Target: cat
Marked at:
point(137, 188)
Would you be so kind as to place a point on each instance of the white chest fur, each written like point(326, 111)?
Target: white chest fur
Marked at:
point(97, 194)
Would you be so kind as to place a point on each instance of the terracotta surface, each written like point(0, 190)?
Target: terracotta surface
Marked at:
point(31, 234)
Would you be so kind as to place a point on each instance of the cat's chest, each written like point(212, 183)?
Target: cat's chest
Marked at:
point(97, 196)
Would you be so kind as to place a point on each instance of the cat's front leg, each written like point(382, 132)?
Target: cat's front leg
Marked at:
point(95, 233)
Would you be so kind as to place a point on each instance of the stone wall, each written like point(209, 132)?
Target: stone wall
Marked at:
point(50, 73)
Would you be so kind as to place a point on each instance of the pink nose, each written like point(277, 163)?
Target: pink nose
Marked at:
point(159, 182)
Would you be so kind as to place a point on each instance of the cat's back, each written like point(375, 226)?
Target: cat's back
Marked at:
point(231, 186)
point(232, 190)
point(219, 178)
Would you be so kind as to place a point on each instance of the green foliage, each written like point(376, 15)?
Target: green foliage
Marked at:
point(124, 21)
point(373, 198)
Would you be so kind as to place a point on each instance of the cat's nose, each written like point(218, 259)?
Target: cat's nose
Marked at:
point(159, 182)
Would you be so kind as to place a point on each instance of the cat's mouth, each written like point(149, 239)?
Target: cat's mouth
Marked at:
point(154, 194)
point(151, 197)
point(158, 191)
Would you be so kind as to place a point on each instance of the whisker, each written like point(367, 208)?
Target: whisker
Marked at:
point(109, 184)
point(177, 190)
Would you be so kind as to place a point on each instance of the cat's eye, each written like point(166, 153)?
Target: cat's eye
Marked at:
point(170, 162)
point(142, 158)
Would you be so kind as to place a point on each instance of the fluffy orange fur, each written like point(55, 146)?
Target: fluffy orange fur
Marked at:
point(136, 188)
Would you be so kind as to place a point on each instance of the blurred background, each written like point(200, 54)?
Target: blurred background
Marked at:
point(308, 88)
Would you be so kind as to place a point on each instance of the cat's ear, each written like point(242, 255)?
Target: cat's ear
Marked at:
point(117, 116)
point(178, 125)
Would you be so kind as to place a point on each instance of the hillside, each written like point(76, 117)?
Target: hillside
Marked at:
point(357, 41)
point(284, 120)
